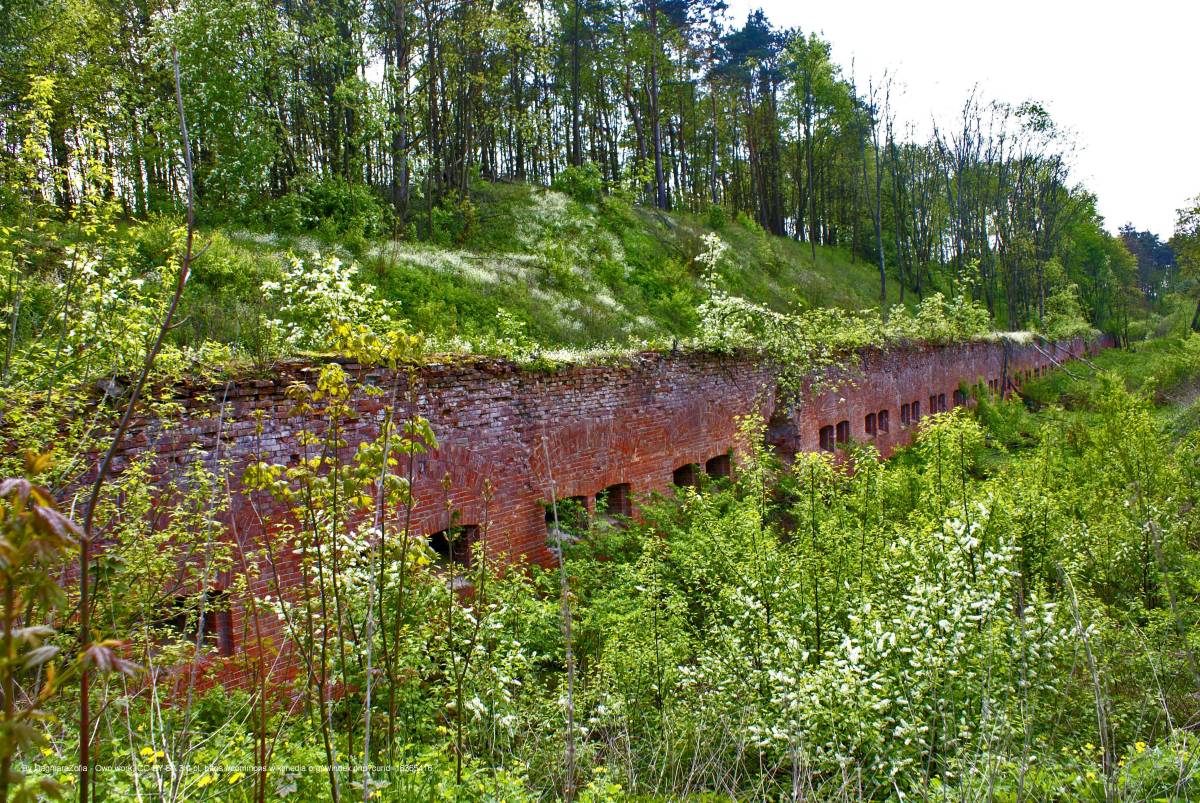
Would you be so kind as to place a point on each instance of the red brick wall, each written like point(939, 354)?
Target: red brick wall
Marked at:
point(885, 380)
point(634, 421)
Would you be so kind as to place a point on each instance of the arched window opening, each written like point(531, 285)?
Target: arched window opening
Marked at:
point(719, 466)
point(843, 432)
point(615, 500)
point(571, 514)
point(869, 425)
point(826, 439)
point(884, 421)
point(453, 546)
point(687, 475)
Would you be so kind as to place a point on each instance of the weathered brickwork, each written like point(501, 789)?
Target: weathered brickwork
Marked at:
point(582, 428)
point(886, 381)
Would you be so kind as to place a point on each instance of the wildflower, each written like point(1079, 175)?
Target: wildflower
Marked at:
point(205, 780)
point(237, 776)
point(1139, 746)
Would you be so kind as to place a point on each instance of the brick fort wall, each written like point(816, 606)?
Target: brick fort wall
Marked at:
point(635, 426)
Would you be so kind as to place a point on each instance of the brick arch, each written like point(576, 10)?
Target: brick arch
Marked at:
point(582, 454)
point(468, 472)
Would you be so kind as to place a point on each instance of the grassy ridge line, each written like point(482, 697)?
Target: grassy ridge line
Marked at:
point(571, 274)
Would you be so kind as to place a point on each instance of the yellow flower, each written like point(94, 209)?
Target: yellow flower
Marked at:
point(205, 780)
point(377, 793)
point(1089, 747)
point(1091, 776)
point(46, 751)
point(237, 776)
point(146, 752)
point(1140, 747)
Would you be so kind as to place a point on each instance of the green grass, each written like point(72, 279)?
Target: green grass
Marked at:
point(1167, 368)
point(574, 274)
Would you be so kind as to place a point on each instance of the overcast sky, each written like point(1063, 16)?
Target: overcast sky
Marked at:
point(1122, 76)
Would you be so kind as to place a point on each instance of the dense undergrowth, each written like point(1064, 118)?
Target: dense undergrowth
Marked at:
point(1005, 611)
point(551, 279)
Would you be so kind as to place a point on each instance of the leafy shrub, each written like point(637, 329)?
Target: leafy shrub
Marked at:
point(454, 220)
point(632, 186)
point(1064, 318)
point(716, 217)
point(315, 294)
point(331, 204)
point(510, 339)
point(937, 320)
point(583, 183)
point(749, 224)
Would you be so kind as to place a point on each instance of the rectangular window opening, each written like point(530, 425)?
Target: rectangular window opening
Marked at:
point(905, 415)
point(218, 623)
point(843, 432)
point(884, 421)
point(183, 619)
point(869, 424)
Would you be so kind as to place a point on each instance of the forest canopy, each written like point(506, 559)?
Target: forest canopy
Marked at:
point(370, 120)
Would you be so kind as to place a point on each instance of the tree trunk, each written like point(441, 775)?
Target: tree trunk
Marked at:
point(660, 183)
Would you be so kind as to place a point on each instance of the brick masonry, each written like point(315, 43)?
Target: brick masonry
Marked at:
point(583, 427)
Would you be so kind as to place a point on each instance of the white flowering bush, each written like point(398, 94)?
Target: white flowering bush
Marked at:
point(800, 343)
point(714, 251)
point(115, 309)
point(315, 294)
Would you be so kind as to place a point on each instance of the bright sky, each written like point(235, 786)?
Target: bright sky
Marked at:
point(1122, 76)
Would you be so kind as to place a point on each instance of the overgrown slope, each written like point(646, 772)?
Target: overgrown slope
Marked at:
point(568, 273)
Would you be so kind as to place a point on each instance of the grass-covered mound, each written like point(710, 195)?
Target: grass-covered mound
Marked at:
point(564, 272)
